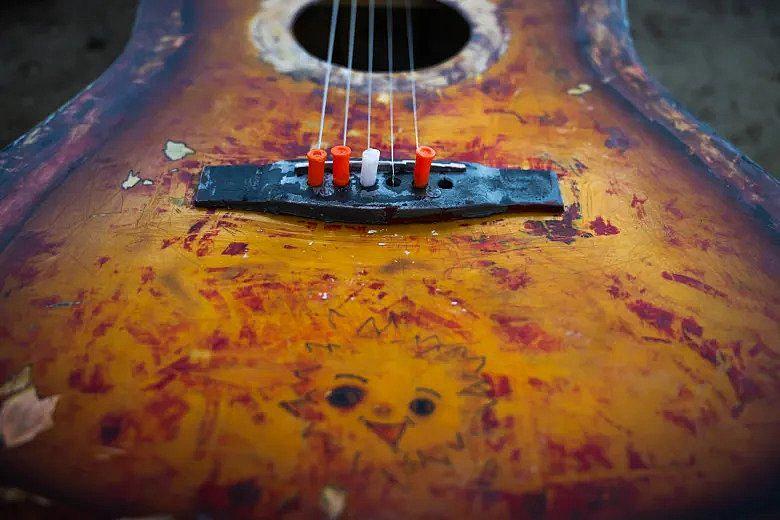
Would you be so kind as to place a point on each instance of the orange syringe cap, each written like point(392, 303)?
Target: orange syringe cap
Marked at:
point(316, 166)
point(422, 166)
point(341, 155)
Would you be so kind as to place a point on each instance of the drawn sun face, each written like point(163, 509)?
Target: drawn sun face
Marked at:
point(385, 400)
point(387, 420)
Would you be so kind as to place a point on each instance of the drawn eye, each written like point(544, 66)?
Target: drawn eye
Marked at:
point(346, 396)
point(422, 406)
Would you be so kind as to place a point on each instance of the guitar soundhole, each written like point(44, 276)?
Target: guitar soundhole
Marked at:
point(440, 32)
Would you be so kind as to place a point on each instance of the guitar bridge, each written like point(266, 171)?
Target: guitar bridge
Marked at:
point(455, 190)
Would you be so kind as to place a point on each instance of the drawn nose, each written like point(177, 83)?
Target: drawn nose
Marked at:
point(382, 409)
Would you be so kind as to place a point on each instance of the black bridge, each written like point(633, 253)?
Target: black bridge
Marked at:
point(456, 190)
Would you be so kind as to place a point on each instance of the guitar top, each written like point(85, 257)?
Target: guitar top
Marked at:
point(576, 313)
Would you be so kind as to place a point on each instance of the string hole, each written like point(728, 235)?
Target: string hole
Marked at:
point(445, 183)
point(393, 182)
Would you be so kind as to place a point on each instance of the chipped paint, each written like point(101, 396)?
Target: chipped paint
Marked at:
point(176, 151)
point(134, 179)
point(333, 501)
point(24, 416)
point(580, 90)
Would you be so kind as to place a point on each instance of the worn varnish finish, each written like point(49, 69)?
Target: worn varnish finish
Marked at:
point(621, 358)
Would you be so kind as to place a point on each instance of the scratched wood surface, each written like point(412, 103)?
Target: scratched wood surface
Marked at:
point(622, 357)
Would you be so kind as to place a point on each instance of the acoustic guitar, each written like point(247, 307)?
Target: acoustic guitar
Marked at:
point(385, 259)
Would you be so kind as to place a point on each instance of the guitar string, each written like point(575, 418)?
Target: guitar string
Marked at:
point(370, 66)
point(410, 46)
point(390, 86)
point(329, 66)
point(352, 17)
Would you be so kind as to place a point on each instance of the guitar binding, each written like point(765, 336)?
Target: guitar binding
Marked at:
point(455, 190)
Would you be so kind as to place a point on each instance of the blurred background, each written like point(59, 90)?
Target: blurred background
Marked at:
point(720, 58)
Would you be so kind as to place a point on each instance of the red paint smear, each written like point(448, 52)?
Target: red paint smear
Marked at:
point(217, 341)
point(168, 242)
point(236, 248)
point(639, 205)
point(562, 230)
point(603, 228)
point(746, 389)
point(616, 289)
point(680, 420)
point(211, 295)
point(102, 328)
point(147, 274)
point(167, 334)
point(247, 296)
point(525, 334)
point(206, 241)
point(691, 328)
point(708, 350)
point(512, 280)
point(489, 420)
point(248, 335)
point(635, 460)
point(169, 411)
point(590, 455)
point(499, 444)
point(694, 283)
point(499, 385)
point(94, 384)
point(498, 88)
point(669, 207)
point(197, 226)
point(162, 383)
point(759, 348)
point(18, 261)
point(659, 318)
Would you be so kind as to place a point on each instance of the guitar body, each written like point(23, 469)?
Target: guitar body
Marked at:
point(619, 358)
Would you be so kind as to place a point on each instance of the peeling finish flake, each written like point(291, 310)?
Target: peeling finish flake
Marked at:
point(176, 151)
point(24, 416)
point(579, 90)
point(333, 501)
point(16, 383)
point(133, 180)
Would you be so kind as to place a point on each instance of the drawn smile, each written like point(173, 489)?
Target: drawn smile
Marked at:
point(391, 433)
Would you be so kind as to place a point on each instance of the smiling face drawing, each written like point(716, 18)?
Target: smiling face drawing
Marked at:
point(383, 401)
point(387, 421)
